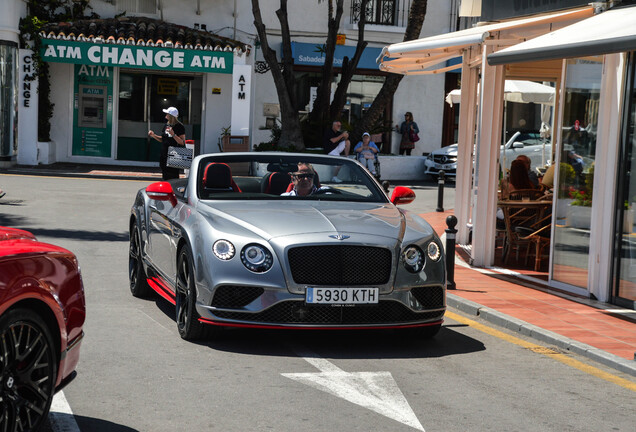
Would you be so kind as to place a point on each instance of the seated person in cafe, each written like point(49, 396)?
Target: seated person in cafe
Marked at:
point(303, 181)
point(516, 180)
point(548, 178)
point(532, 175)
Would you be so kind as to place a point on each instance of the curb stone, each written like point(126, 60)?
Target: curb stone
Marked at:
point(540, 334)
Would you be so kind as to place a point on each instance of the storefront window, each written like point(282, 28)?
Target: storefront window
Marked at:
point(576, 172)
point(8, 99)
point(625, 280)
point(142, 99)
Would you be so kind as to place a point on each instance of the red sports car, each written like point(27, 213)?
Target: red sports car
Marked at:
point(42, 311)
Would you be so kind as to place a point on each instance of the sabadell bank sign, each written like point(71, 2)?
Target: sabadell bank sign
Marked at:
point(138, 57)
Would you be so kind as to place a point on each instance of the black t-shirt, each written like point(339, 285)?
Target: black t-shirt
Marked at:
point(177, 129)
point(327, 144)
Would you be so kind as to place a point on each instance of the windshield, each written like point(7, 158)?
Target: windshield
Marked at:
point(284, 176)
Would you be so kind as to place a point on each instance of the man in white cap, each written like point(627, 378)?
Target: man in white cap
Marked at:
point(172, 134)
point(366, 152)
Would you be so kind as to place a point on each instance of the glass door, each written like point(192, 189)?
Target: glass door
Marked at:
point(142, 99)
point(574, 191)
point(625, 253)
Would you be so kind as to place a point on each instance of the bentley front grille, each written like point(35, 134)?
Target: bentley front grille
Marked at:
point(340, 265)
point(296, 312)
point(231, 296)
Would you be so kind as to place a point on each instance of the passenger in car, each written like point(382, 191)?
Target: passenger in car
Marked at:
point(303, 181)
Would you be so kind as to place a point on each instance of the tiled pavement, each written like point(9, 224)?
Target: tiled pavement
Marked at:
point(599, 331)
point(603, 332)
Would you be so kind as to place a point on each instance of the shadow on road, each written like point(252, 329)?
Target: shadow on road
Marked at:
point(21, 223)
point(87, 424)
point(346, 344)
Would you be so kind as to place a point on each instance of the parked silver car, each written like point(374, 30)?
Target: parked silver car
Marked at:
point(529, 144)
point(236, 245)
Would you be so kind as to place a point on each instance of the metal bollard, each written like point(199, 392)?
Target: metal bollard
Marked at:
point(451, 221)
point(440, 192)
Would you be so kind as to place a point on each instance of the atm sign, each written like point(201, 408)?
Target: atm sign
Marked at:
point(95, 91)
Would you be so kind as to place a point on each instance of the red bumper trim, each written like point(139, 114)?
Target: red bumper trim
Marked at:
point(280, 327)
point(162, 289)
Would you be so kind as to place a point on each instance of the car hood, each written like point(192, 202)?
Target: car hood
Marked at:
point(450, 150)
point(276, 219)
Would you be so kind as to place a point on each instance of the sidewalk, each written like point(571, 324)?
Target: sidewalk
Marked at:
point(599, 331)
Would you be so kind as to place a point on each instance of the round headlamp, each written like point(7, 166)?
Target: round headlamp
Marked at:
point(223, 250)
point(433, 251)
point(413, 259)
point(256, 258)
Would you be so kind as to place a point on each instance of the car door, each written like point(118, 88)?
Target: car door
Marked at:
point(161, 238)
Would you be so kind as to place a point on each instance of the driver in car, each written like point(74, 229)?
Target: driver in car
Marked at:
point(303, 181)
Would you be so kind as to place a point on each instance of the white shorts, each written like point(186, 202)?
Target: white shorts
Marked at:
point(339, 149)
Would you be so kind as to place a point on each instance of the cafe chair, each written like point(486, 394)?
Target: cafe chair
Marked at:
point(537, 235)
point(518, 218)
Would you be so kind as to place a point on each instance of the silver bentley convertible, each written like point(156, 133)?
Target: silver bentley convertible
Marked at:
point(283, 240)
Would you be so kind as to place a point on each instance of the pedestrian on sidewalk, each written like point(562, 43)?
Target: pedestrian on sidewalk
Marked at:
point(409, 131)
point(172, 134)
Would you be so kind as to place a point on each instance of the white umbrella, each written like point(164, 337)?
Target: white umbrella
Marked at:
point(516, 91)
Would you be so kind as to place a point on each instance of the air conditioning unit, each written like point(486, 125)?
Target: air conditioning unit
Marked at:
point(271, 110)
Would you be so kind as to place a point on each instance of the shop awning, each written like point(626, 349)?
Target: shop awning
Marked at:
point(608, 32)
point(429, 55)
point(519, 91)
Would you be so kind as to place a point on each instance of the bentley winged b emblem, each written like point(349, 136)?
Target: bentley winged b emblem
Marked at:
point(340, 236)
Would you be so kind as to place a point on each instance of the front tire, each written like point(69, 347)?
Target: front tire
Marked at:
point(28, 370)
point(187, 317)
point(138, 283)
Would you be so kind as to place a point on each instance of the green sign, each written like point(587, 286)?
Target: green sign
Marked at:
point(137, 57)
point(93, 111)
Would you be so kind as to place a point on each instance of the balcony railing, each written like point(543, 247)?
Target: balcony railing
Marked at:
point(382, 12)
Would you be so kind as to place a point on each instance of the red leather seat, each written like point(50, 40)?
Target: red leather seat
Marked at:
point(218, 178)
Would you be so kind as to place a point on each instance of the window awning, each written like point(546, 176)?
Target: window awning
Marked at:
point(608, 32)
point(429, 55)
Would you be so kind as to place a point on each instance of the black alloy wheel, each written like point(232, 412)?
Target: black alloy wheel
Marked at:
point(138, 283)
point(187, 317)
point(28, 368)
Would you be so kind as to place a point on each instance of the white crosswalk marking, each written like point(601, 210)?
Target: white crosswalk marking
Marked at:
point(61, 416)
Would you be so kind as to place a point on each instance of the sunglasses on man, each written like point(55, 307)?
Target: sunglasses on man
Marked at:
point(304, 176)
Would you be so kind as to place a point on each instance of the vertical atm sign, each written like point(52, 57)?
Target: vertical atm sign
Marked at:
point(241, 91)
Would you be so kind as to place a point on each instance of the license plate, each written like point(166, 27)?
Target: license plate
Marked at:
point(342, 295)
point(444, 167)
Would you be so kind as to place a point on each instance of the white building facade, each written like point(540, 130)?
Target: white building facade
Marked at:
point(107, 94)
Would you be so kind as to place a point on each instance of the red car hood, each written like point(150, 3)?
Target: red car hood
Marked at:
point(15, 234)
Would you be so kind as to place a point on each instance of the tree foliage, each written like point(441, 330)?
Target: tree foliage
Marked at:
point(40, 13)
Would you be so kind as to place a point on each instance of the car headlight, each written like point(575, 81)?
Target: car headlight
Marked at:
point(413, 259)
point(223, 249)
point(433, 251)
point(256, 258)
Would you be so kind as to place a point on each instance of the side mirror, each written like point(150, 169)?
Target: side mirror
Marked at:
point(517, 145)
point(402, 195)
point(161, 191)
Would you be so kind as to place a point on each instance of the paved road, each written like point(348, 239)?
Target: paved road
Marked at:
point(136, 374)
